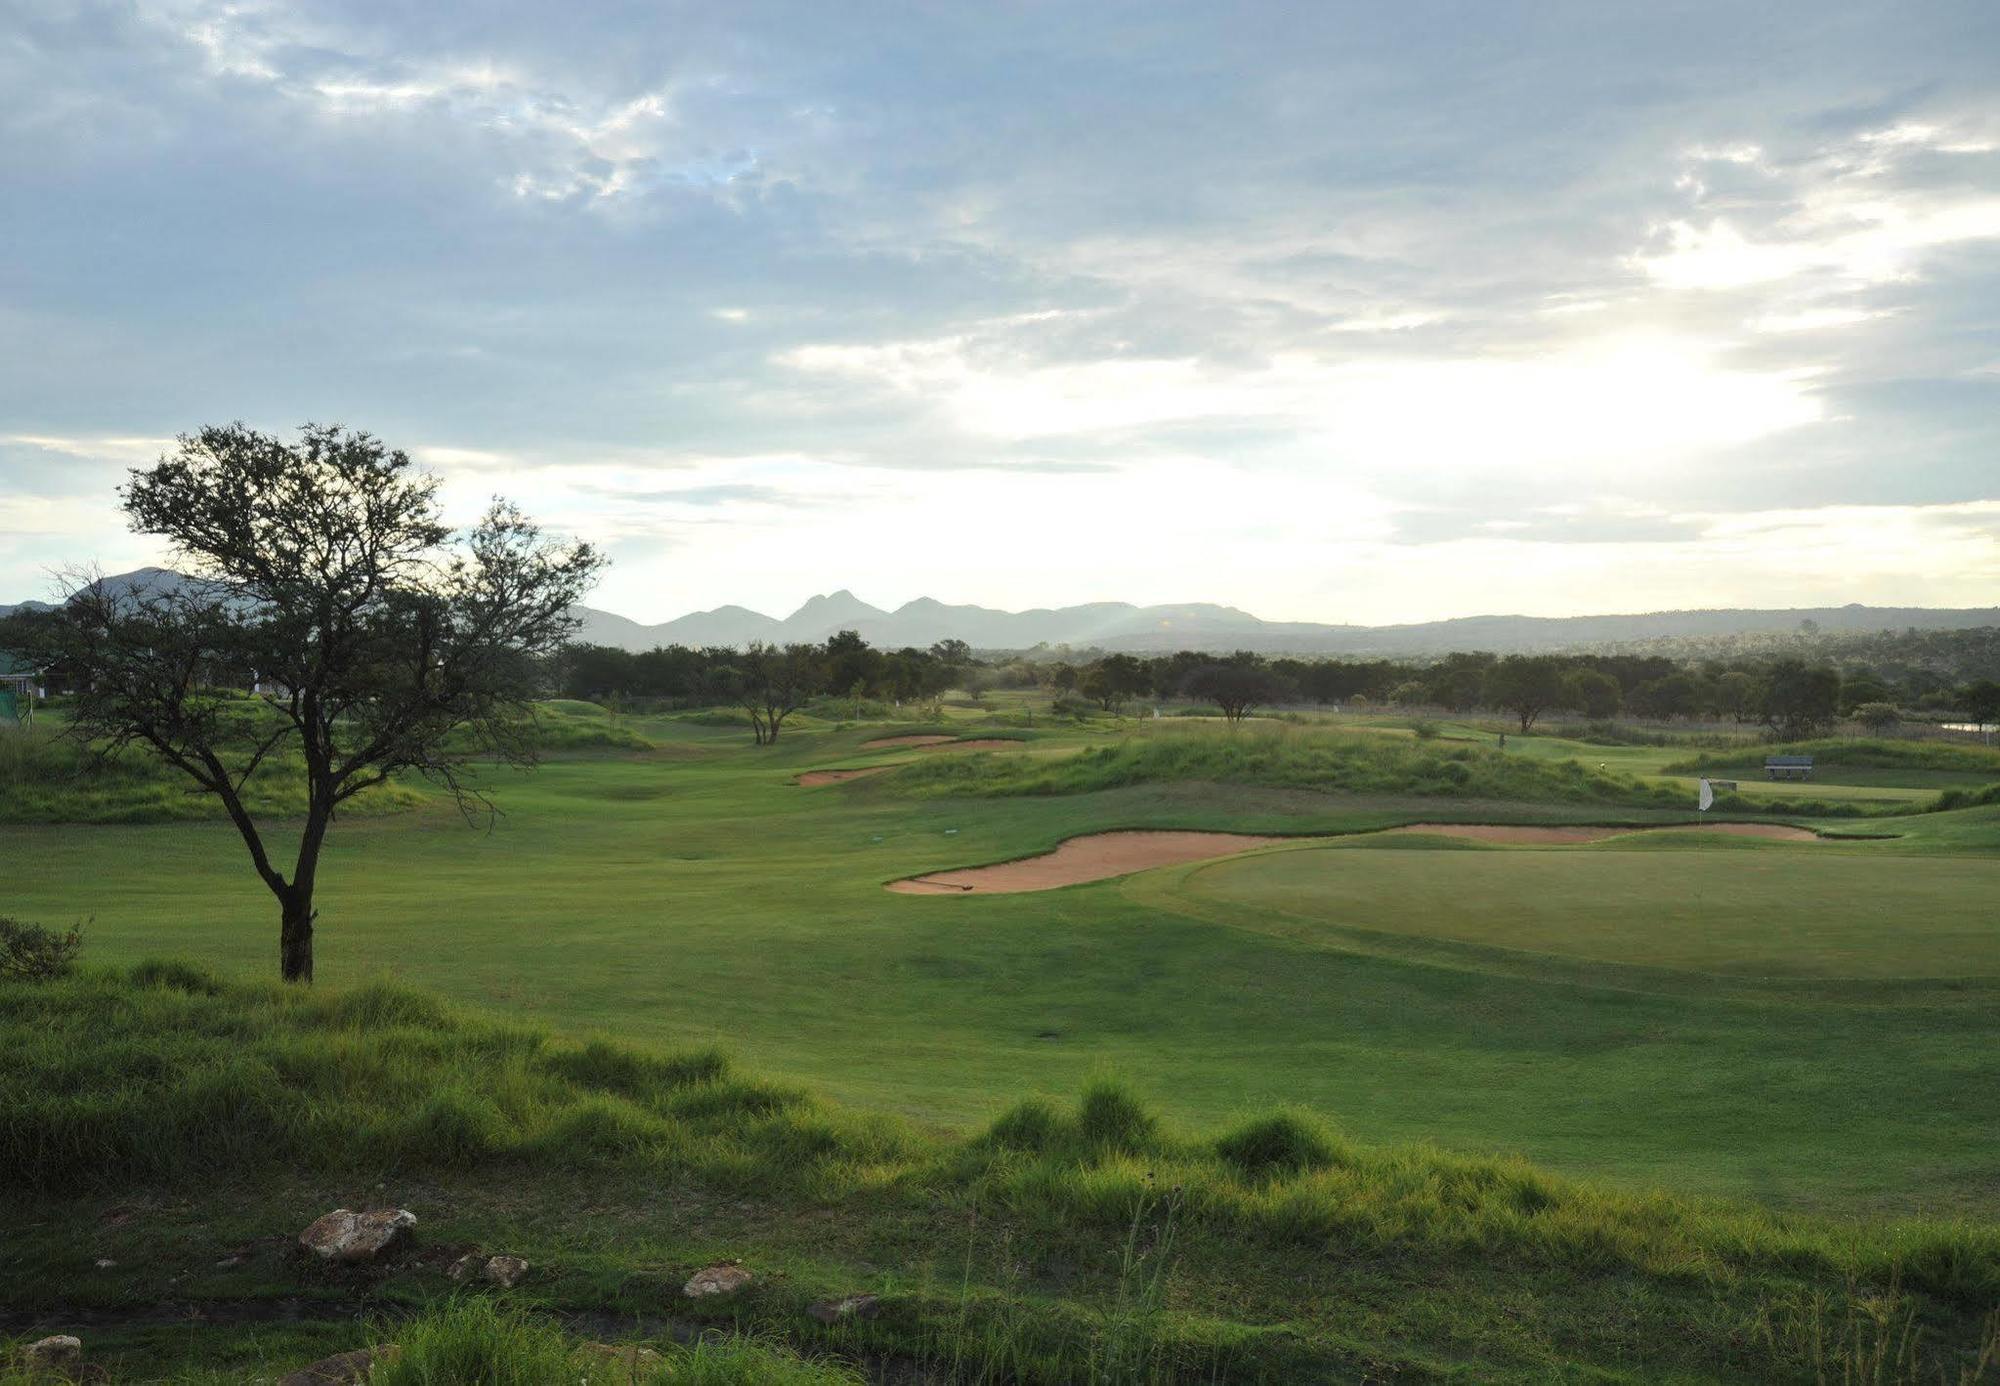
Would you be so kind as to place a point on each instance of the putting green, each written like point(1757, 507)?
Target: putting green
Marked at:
point(1774, 913)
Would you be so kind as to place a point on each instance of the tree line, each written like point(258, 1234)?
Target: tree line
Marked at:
point(1793, 697)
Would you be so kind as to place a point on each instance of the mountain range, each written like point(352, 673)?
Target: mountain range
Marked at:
point(1206, 626)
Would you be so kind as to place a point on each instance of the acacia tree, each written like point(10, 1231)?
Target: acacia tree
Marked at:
point(1527, 686)
point(1238, 686)
point(770, 683)
point(321, 573)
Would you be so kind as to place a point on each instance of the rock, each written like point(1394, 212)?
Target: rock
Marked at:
point(60, 1355)
point(353, 1238)
point(343, 1368)
point(847, 1307)
point(617, 1362)
point(504, 1271)
point(723, 1279)
point(106, 1263)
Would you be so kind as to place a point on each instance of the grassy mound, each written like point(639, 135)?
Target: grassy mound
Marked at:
point(1869, 753)
point(166, 1078)
point(51, 779)
point(1293, 757)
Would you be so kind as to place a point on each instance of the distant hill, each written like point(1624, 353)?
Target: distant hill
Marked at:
point(147, 579)
point(1205, 626)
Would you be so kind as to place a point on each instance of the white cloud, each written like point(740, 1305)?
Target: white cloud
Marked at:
point(1600, 405)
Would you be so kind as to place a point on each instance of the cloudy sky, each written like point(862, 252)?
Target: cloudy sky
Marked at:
point(1344, 311)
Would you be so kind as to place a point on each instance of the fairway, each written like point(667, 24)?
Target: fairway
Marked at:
point(1807, 912)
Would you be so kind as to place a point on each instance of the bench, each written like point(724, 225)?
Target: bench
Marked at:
point(1788, 767)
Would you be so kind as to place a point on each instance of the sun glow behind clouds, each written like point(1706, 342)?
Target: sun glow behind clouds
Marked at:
point(1607, 402)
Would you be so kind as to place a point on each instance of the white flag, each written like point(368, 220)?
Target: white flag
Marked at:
point(1707, 796)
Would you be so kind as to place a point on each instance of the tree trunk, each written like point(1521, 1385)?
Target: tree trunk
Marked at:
point(295, 938)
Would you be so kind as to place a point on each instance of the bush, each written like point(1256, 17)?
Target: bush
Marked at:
point(32, 953)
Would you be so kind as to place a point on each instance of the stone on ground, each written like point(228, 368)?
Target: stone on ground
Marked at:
point(847, 1307)
point(58, 1355)
point(341, 1369)
point(725, 1278)
point(353, 1238)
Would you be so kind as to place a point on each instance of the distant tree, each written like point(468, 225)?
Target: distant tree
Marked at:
point(850, 666)
point(1981, 700)
point(1733, 694)
point(1113, 681)
point(1460, 681)
point(1676, 695)
point(770, 683)
point(1798, 699)
point(1062, 678)
point(322, 568)
point(1527, 686)
point(1878, 717)
point(952, 654)
point(1236, 687)
point(1863, 688)
point(1593, 692)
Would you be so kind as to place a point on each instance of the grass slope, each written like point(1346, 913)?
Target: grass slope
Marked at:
point(1085, 1242)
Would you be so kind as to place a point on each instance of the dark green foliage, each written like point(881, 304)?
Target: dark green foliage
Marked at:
point(29, 952)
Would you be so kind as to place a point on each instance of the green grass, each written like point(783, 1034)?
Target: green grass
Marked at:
point(150, 1119)
point(690, 895)
point(1802, 913)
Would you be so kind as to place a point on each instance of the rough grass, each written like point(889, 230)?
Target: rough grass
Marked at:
point(479, 1342)
point(53, 779)
point(1291, 757)
point(1873, 753)
point(166, 1078)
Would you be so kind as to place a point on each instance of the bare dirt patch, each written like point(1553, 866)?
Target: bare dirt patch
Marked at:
point(1094, 858)
point(813, 777)
point(1526, 835)
point(906, 741)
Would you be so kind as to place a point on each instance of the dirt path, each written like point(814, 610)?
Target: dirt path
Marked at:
point(813, 777)
point(1526, 835)
point(1092, 858)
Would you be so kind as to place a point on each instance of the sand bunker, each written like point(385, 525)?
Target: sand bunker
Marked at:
point(1526, 835)
point(1092, 858)
point(813, 777)
point(906, 741)
point(990, 743)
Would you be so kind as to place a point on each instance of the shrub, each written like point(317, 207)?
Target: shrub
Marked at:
point(32, 953)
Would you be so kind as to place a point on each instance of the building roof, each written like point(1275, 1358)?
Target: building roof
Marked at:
point(13, 667)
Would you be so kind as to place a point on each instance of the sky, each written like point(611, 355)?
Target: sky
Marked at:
point(1337, 312)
